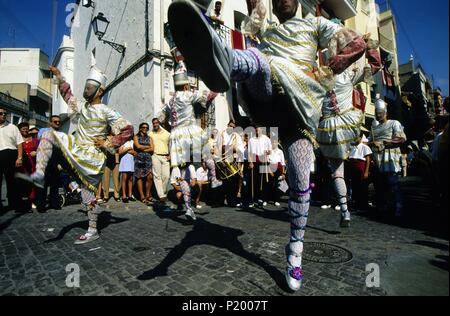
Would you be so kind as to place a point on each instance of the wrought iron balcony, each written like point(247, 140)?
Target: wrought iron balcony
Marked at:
point(13, 103)
point(223, 31)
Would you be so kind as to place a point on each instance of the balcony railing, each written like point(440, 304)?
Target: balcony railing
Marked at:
point(38, 117)
point(223, 31)
point(13, 102)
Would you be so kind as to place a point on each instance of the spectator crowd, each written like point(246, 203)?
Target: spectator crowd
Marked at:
point(140, 171)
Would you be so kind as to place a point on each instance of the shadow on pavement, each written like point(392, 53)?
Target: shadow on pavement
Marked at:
point(8, 222)
point(432, 244)
point(206, 233)
point(441, 262)
point(104, 220)
point(282, 215)
point(419, 211)
point(419, 217)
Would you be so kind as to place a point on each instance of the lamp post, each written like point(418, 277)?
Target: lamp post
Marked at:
point(100, 25)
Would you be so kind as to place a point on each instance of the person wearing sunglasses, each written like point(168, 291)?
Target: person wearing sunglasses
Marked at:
point(11, 152)
point(85, 150)
point(52, 173)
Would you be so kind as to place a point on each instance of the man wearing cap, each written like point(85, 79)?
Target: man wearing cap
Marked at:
point(280, 83)
point(385, 139)
point(85, 150)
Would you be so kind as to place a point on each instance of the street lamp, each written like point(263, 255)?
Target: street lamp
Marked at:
point(88, 3)
point(100, 25)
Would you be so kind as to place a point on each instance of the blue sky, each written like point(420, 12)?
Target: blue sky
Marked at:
point(425, 24)
point(29, 23)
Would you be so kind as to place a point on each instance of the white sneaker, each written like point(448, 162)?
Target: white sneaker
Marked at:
point(277, 204)
point(325, 207)
point(190, 214)
point(260, 201)
point(88, 237)
point(198, 207)
point(264, 204)
point(239, 205)
point(337, 208)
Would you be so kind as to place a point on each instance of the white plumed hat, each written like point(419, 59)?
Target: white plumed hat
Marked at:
point(97, 75)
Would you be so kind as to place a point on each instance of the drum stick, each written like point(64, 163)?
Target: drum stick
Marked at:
point(261, 185)
point(253, 190)
point(267, 172)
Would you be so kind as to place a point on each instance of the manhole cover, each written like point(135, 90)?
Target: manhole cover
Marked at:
point(325, 253)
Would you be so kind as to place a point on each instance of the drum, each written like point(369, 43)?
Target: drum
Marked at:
point(226, 169)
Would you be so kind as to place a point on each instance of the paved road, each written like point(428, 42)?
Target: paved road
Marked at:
point(226, 252)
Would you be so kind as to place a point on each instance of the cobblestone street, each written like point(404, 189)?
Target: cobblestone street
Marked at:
point(226, 252)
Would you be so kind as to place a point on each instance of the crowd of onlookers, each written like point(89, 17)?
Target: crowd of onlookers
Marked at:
point(426, 159)
point(141, 170)
point(143, 165)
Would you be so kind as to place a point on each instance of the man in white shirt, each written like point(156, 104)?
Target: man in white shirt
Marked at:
point(259, 148)
point(184, 182)
point(359, 164)
point(11, 152)
point(277, 172)
point(232, 148)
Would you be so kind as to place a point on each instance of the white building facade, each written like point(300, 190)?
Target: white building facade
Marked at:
point(140, 80)
point(24, 76)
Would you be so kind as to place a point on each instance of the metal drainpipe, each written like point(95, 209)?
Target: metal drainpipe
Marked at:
point(161, 50)
point(147, 35)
